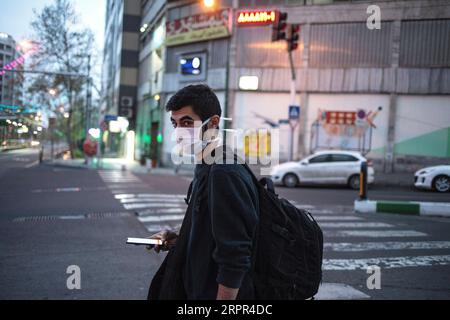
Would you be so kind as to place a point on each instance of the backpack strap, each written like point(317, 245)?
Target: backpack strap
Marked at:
point(189, 193)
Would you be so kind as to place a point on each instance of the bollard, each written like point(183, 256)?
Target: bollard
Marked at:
point(41, 154)
point(363, 181)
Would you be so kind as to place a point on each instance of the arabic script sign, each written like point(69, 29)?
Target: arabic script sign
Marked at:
point(200, 27)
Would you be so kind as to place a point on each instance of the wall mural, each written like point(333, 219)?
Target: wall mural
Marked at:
point(344, 130)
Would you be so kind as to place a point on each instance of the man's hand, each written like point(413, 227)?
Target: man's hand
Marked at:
point(169, 238)
point(225, 293)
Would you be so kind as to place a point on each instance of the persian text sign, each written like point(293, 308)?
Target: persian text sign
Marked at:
point(201, 27)
point(257, 17)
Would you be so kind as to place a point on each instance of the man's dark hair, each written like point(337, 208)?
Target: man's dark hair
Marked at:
point(200, 97)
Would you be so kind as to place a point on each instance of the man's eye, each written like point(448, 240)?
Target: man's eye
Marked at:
point(186, 124)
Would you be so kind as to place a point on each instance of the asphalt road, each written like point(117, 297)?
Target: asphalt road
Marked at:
point(52, 218)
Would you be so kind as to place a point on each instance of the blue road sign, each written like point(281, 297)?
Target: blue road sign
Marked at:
point(294, 112)
point(109, 118)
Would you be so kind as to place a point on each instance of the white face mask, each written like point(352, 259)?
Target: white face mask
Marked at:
point(189, 140)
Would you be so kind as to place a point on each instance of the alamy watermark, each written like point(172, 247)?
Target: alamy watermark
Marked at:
point(374, 19)
point(374, 280)
point(73, 282)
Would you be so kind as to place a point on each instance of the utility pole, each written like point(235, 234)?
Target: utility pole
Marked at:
point(88, 97)
point(293, 103)
point(292, 45)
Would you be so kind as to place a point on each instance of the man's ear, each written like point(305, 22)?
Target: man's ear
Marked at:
point(214, 122)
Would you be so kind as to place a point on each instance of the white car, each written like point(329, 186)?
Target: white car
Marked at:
point(433, 178)
point(324, 167)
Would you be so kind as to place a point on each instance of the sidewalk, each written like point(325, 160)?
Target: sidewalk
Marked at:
point(119, 164)
point(395, 179)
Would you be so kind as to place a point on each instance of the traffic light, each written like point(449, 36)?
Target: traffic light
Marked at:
point(294, 37)
point(279, 28)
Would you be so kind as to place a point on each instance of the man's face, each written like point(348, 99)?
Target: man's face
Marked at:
point(184, 118)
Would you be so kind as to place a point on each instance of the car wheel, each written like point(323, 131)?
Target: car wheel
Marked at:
point(290, 180)
point(441, 183)
point(353, 182)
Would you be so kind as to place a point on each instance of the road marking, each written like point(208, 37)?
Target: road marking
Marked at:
point(355, 225)
point(150, 212)
point(161, 218)
point(149, 200)
point(339, 291)
point(302, 206)
point(369, 246)
point(68, 189)
point(385, 263)
point(157, 195)
point(375, 233)
point(158, 227)
point(133, 206)
point(130, 184)
point(337, 218)
point(31, 165)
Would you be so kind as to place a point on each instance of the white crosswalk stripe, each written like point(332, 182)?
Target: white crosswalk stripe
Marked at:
point(156, 211)
point(325, 225)
point(392, 245)
point(375, 233)
point(337, 218)
point(385, 262)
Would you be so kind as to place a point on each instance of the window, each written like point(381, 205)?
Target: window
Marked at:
point(320, 159)
point(424, 43)
point(343, 158)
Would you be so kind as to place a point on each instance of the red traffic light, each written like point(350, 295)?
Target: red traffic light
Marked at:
point(294, 36)
point(279, 29)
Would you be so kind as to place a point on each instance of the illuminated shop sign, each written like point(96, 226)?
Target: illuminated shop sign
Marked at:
point(200, 27)
point(191, 66)
point(252, 18)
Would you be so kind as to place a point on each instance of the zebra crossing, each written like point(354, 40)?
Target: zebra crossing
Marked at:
point(166, 211)
point(351, 242)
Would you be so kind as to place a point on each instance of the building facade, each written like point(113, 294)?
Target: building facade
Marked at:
point(381, 89)
point(151, 70)
point(11, 83)
point(120, 68)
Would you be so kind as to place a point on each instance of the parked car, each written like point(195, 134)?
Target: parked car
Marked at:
point(433, 178)
point(324, 167)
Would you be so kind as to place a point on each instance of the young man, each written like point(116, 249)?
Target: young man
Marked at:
point(211, 256)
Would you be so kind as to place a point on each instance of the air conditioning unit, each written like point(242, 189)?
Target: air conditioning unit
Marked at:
point(126, 102)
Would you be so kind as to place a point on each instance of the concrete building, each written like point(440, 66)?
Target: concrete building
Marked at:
point(120, 69)
point(150, 80)
point(383, 91)
point(10, 82)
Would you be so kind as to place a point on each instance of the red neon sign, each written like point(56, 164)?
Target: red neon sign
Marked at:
point(257, 17)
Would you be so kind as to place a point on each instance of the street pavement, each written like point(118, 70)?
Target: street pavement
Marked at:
point(53, 217)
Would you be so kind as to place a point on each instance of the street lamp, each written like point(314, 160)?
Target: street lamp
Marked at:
point(52, 92)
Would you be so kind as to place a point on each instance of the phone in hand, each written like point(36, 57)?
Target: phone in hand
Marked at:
point(144, 242)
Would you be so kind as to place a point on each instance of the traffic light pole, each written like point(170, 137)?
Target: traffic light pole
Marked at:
point(293, 102)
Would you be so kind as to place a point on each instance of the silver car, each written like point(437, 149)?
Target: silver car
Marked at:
point(324, 167)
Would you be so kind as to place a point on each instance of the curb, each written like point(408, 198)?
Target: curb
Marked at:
point(436, 209)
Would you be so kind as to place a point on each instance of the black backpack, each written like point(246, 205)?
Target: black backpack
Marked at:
point(288, 248)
